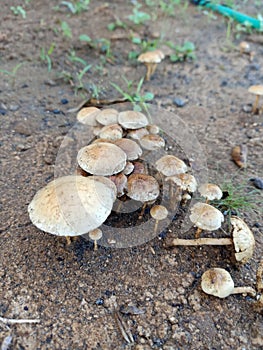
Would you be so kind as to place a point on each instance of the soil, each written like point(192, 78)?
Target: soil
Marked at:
point(78, 293)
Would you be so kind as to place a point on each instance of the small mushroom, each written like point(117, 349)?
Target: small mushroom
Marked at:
point(205, 217)
point(244, 47)
point(132, 120)
point(130, 147)
point(170, 165)
point(137, 134)
point(111, 132)
point(107, 116)
point(120, 181)
point(218, 282)
point(87, 116)
point(152, 142)
point(102, 158)
point(186, 182)
point(95, 235)
point(158, 212)
point(210, 192)
point(151, 59)
point(129, 167)
point(153, 129)
point(258, 91)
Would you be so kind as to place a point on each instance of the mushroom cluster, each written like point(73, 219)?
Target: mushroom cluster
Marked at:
point(111, 166)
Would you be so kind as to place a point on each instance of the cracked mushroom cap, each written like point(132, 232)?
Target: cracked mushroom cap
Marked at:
point(72, 205)
point(217, 282)
point(170, 165)
point(206, 217)
point(107, 116)
point(152, 142)
point(155, 56)
point(143, 188)
point(210, 191)
point(256, 89)
point(243, 239)
point(102, 158)
point(185, 181)
point(130, 147)
point(87, 116)
point(132, 120)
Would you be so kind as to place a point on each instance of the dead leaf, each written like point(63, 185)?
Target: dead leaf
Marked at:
point(239, 156)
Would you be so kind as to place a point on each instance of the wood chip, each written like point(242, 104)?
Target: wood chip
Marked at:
point(239, 156)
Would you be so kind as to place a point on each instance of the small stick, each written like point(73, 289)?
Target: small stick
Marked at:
point(201, 241)
point(259, 276)
point(126, 333)
point(14, 321)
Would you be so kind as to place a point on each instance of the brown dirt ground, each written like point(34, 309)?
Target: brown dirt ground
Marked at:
point(72, 289)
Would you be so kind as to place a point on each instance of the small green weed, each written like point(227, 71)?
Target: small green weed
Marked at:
point(182, 52)
point(117, 24)
point(134, 95)
point(144, 45)
point(139, 17)
point(101, 44)
point(45, 55)
point(66, 30)
point(18, 10)
point(12, 73)
point(76, 7)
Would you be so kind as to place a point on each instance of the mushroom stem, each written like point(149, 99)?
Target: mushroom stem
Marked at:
point(95, 245)
point(198, 232)
point(149, 70)
point(259, 276)
point(153, 69)
point(244, 290)
point(156, 226)
point(143, 210)
point(68, 239)
point(255, 105)
point(201, 241)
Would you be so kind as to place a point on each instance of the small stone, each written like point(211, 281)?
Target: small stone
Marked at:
point(247, 108)
point(2, 111)
point(64, 101)
point(179, 102)
point(56, 111)
point(257, 182)
point(13, 107)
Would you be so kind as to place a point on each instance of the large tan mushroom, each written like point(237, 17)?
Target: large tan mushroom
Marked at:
point(72, 205)
point(130, 147)
point(170, 165)
point(102, 158)
point(152, 142)
point(107, 116)
point(258, 91)
point(205, 217)
point(132, 120)
point(218, 282)
point(151, 59)
point(186, 182)
point(111, 132)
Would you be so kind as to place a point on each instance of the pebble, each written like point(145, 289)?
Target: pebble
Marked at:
point(2, 111)
point(257, 182)
point(13, 107)
point(179, 102)
point(247, 108)
point(64, 101)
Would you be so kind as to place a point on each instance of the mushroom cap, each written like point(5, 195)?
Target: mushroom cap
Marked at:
point(137, 134)
point(102, 158)
point(186, 182)
point(256, 89)
point(120, 181)
point(87, 116)
point(206, 217)
point(95, 234)
point(153, 129)
point(170, 165)
point(128, 168)
point(244, 46)
point(152, 142)
point(142, 187)
point(132, 120)
point(130, 147)
point(111, 132)
point(154, 56)
point(243, 239)
point(107, 116)
point(72, 205)
point(217, 282)
point(210, 191)
point(159, 212)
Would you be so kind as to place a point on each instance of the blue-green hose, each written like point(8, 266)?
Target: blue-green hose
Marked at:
point(227, 11)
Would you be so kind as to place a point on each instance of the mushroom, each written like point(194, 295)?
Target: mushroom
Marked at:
point(210, 191)
point(130, 147)
point(153, 129)
point(151, 59)
point(186, 182)
point(72, 205)
point(258, 91)
point(218, 282)
point(87, 116)
point(242, 239)
point(132, 120)
point(205, 217)
point(244, 47)
point(102, 158)
point(95, 235)
point(137, 134)
point(158, 212)
point(152, 142)
point(107, 116)
point(170, 165)
point(120, 181)
point(143, 188)
point(129, 167)
point(111, 132)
